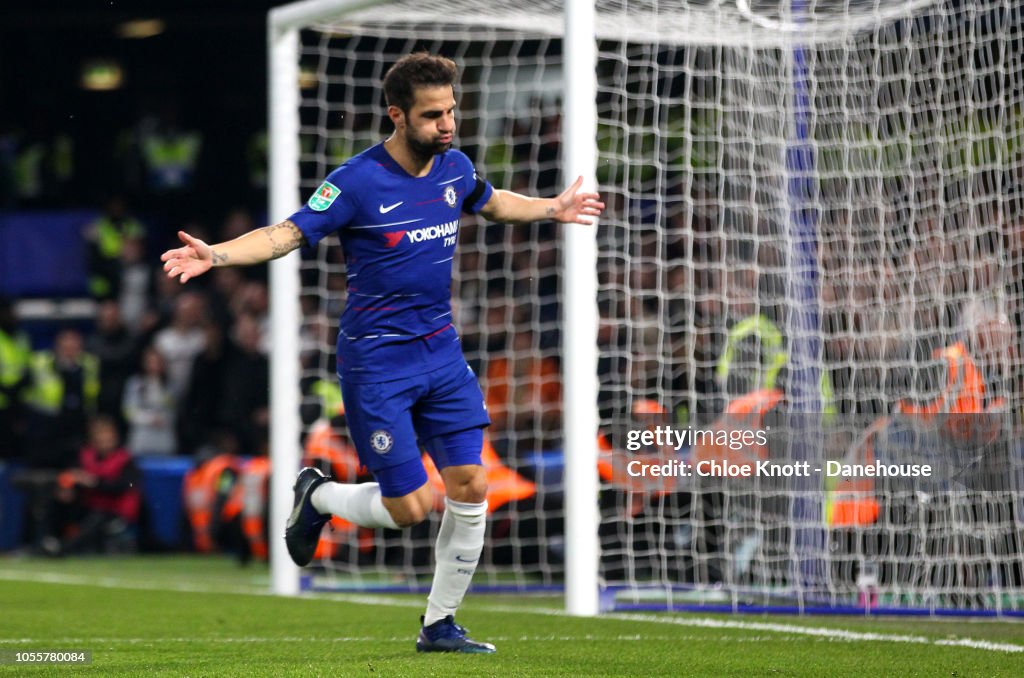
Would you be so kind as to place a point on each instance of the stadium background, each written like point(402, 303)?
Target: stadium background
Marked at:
point(207, 63)
point(207, 70)
point(72, 140)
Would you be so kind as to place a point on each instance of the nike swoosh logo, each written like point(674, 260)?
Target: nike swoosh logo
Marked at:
point(463, 560)
point(385, 210)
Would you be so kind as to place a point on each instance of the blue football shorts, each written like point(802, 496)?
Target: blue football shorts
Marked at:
point(441, 411)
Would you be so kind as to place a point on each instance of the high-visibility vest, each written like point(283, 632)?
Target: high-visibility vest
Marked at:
point(206, 488)
point(15, 361)
point(773, 357)
point(247, 501)
point(533, 379)
point(745, 413)
point(850, 502)
point(329, 452)
point(47, 390)
point(39, 162)
point(62, 161)
point(110, 235)
point(108, 238)
point(28, 170)
point(961, 399)
point(963, 392)
point(171, 161)
point(613, 469)
point(329, 394)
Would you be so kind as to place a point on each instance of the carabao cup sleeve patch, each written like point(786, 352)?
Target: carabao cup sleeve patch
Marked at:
point(323, 197)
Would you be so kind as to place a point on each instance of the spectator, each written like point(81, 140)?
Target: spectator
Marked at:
point(254, 301)
point(150, 407)
point(136, 291)
point(15, 377)
point(524, 395)
point(970, 376)
point(245, 405)
point(163, 153)
point(100, 494)
point(63, 395)
point(114, 346)
point(163, 305)
point(106, 237)
point(183, 340)
point(43, 158)
point(237, 222)
point(199, 409)
point(226, 288)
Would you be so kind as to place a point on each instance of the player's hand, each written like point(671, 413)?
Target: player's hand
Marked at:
point(187, 262)
point(573, 206)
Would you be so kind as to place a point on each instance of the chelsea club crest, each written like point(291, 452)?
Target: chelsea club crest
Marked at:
point(450, 196)
point(381, 441)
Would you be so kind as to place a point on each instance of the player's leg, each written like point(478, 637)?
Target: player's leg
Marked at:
point(450, 421)
point(460, 541)
point(381, 428)
point(384, 503)
point(461, 536)
point(317, 498)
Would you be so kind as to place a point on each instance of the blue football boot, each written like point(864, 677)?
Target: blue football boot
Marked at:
point(447, 636)
point(302, 533)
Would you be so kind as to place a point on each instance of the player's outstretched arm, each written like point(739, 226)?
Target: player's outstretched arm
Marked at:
point(255, 247)
point(571, 207)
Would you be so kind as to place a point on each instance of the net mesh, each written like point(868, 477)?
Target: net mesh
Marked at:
point(728, 132)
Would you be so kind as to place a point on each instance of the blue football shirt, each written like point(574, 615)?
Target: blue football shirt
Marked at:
point(398, 233)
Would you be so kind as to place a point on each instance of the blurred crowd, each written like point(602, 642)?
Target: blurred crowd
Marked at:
point(162, 158)
point(176, 368)
point(162, 369)
point(692, 300)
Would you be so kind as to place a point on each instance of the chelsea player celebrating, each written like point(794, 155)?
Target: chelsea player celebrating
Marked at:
point(404, 380)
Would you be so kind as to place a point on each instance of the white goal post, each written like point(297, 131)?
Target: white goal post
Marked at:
point(814, 228)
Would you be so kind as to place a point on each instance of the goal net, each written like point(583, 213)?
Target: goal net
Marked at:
point(814, 234)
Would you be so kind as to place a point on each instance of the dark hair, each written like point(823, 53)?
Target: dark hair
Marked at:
point(417, 70)
point(106, 420)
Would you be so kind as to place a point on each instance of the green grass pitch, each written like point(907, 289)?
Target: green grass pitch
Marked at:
point(195, 616)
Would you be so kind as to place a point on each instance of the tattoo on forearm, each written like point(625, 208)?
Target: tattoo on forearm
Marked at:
point(219, 259)
point(284, 237)
point(550, 211)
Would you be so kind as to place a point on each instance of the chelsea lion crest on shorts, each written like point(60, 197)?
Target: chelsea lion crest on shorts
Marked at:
point(381, 441)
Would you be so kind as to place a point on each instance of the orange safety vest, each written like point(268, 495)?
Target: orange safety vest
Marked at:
point(961, 397)
point(613, 469)
point(850, 502)
point(204, 486)
point(248, 502)
point(965, 387)
point(503, 484)
point(329, 452)
point(746, 413)
point(526, 381)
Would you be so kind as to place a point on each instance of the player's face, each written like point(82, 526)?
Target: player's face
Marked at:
point(430, 123)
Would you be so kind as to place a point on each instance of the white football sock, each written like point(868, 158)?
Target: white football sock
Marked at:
point(459, 543)
point(358, 503)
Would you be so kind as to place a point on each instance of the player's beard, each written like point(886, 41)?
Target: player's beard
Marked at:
point(425, 150)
